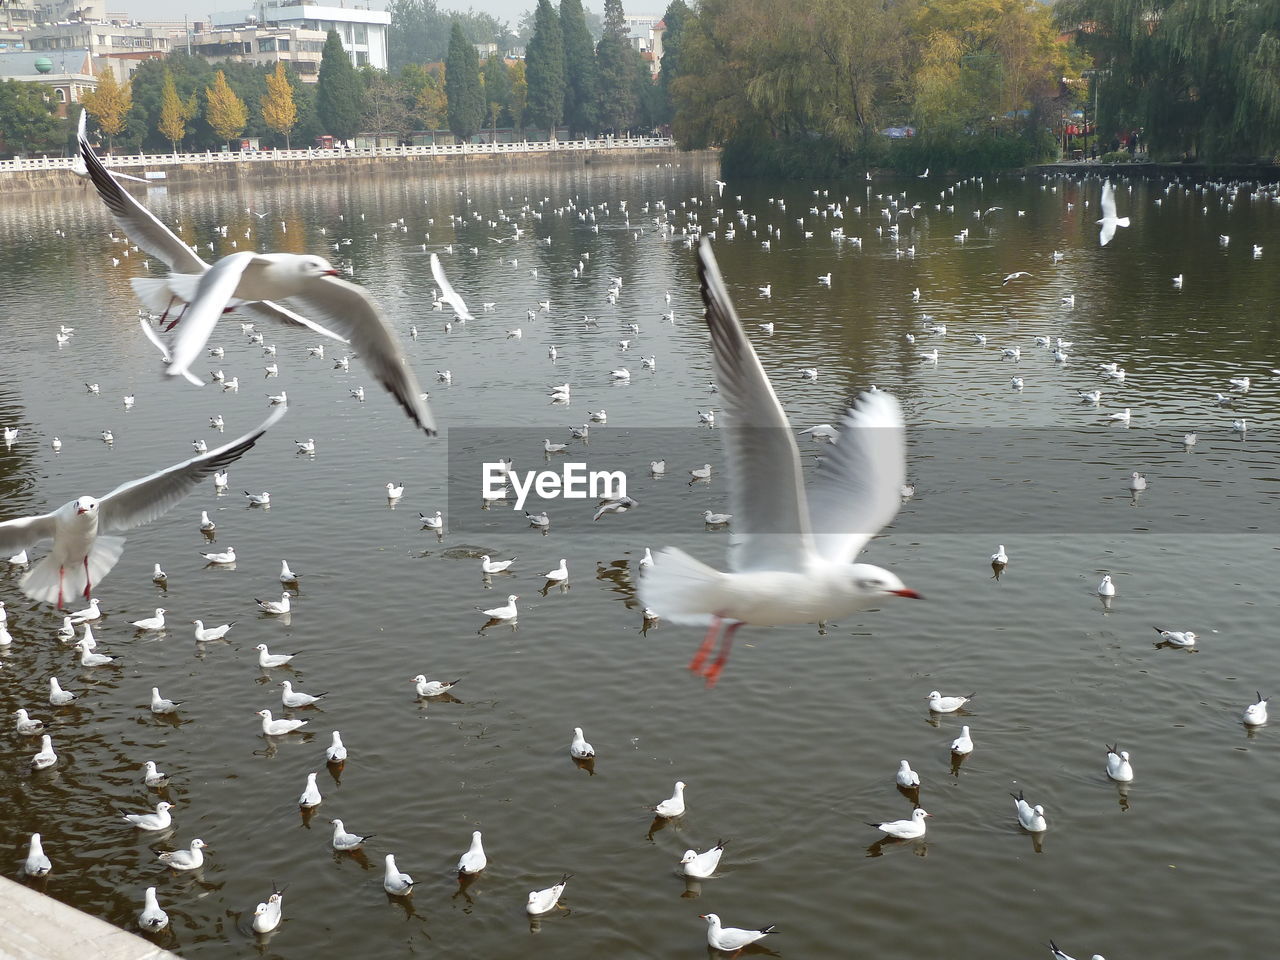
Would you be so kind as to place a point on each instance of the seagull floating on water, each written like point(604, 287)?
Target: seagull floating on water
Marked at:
point(904, 829)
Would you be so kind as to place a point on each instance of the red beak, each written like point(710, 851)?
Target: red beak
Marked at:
point(907, 593)
point(80, 510)
point(332, 273)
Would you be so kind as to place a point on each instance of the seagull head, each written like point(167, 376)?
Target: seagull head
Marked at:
point(86, 505)
point(876, 580)
point(689, 856)
point(312, 267)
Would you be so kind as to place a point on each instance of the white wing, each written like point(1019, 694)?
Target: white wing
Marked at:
point(270, 310)
point(1107, 232)
point(1108, 201)
point(136, 220)
point(766, 489)
point(141, 501)
point(858, 489)
point(348, 308)
point(214, 292)
point(449, 294)
point(24, 532)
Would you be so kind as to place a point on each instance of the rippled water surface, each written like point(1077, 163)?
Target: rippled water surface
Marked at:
point(797, 746)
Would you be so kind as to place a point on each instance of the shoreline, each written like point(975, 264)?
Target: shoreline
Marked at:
point(212, 168)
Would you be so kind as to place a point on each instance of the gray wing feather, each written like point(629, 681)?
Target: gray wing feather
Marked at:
point(141, 501)
point(766, 489)
point(347, 308)
point(137, 221)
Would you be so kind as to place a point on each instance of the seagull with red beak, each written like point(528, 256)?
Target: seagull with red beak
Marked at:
point(792, 554)
point(85, 547)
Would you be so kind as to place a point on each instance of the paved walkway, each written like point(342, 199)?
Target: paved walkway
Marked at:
point(37, 927)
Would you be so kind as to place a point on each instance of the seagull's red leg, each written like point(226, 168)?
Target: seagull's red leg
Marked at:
point(177, 319)
point(61, 571)
point(704, 651)
point(712, 672)
point(87, 585)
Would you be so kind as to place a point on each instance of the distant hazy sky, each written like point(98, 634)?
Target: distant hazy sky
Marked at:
point(509, 10)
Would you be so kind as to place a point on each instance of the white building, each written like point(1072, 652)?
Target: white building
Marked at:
point(264, 46)
point(363, 31)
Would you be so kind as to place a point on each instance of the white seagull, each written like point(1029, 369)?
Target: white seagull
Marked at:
point(544, 901)
point(1177, 638)
point(495, 566)
point(336, 752)
point(791, 561)
point(310, 794)
point(1118, 766)
point(189, 859)
point(293, 699)
point(1255, 714)
point(342, 840)
point(84, 531)
point(474, 860)
point(266, 916)
point(702, 865)
point(206, 634)
point(906, 777)
point(46, 757)
point(278, 728)
point(904, 829)
point(267, 659)
point(36, 864)
point(152, 917)
point(673, 806)
point(393, 881)
point(733, 939)
point(579, 749)
point(1030, 818)
point(1059, 955)
point(1109, 220)
point(160, 820)
point(247, 281)
point(940, 704)
point(963, 744)
point(506, 612)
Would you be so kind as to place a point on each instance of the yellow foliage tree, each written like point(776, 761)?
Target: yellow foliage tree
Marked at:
point(431, 105)
point(226, 112)
point(109, 104)
point(519, 95)
point(279, 112)
point(173, 113)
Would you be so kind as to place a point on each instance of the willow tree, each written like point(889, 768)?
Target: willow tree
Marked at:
point(1198, 77)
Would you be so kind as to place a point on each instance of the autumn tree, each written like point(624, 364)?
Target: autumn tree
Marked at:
point(173, 113)
point(109, 105)
point(519, 94)
point(279, 112)
point(224, 111)
point(424, 89)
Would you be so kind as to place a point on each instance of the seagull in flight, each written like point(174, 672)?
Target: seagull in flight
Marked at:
point(83, 531)
point(250, 282)
point(1014, 276)
point(791, 557)
point(1109, 220)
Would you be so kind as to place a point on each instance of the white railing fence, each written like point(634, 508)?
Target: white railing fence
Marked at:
point(310, 153)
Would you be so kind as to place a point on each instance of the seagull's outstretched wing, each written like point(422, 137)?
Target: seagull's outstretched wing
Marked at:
point(447, 293)
point(24, 532)
point(348, 308)
point(141, 501)
point(136, 220)
point(766, 489)
point(146, 230)
point(858, 489)
point(1108, 201)
point(213, 292)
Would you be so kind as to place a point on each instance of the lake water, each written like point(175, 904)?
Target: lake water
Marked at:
point(798, 743)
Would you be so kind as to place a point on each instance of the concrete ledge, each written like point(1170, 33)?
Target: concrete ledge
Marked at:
point(37, 927)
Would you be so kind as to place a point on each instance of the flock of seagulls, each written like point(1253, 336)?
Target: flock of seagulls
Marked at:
point(795, 544)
